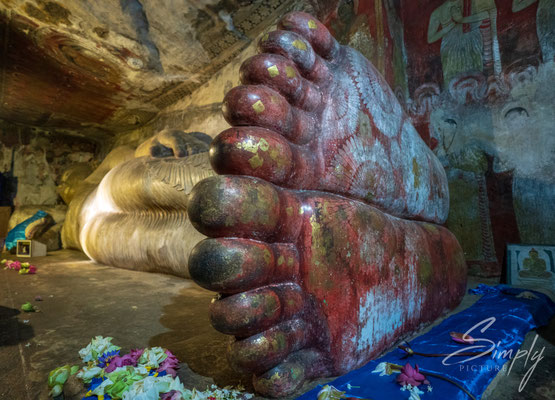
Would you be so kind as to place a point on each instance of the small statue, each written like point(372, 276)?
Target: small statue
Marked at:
point(534, 266)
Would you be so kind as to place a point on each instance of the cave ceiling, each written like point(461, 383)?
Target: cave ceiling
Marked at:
point(102, 67)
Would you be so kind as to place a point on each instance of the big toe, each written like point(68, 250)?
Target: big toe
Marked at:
point(242, 206)
point(236, 265)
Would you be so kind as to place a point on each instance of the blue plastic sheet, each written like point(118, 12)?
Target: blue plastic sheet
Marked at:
point(498, 322)
point(18, 232)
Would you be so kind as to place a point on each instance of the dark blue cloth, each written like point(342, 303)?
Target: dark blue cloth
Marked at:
point(509, 318)
point(18, 231)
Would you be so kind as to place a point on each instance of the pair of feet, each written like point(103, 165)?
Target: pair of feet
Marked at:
point(317, 270)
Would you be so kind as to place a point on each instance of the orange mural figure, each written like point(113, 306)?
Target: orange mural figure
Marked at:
point(468, 33)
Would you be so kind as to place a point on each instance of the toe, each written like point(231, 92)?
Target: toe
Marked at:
point(252, 312)
point(241, 206)
point(262, 106)
point(262, 153)
point(221, 206)
point(314, 31)
point(293, 46)
point(288, 377)
point(265, 350)
point(281, 74)
point(237, 265)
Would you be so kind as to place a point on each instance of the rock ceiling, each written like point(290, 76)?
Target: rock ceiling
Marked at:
point(108, 66)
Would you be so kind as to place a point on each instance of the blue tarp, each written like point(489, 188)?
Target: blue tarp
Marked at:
point(18, 232)
point(501, 319)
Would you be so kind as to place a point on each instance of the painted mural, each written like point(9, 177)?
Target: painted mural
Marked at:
point(481, 76)
point(475, 76)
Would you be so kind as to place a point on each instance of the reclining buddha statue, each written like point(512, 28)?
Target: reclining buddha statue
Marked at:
point(322, 228)
point(131, 212)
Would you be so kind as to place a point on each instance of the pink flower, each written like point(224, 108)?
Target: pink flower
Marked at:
point(172, 395)
point(411, 376)
point(15, 265)
point(462, 338)
point(32, 269)
point(122, 361)
point(170, 364)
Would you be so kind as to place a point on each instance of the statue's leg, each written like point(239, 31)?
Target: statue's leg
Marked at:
point(317, 275)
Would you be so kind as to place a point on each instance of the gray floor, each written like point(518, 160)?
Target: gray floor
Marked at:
point(82, 299)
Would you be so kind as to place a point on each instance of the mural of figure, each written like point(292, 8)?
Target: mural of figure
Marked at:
point(545, 25)
point(462, 134)
point(534, 266)
point(487, 10)
point(399, 49)
point(460, 51)
point(468, 33)
point(525, 146)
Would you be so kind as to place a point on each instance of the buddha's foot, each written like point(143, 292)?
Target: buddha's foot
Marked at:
point(315, 284)
point(316, 115)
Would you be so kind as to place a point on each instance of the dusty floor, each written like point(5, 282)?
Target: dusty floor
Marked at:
point(82, 299)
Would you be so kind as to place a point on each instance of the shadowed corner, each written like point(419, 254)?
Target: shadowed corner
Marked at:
point(12, 330)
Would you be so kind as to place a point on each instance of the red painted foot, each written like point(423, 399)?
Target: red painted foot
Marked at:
point(318, 281)
point(317, 115)
point(305, 271)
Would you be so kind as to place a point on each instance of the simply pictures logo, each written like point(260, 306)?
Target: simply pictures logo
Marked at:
point(487, 347)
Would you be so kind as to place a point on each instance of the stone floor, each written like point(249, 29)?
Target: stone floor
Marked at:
point(82, 299)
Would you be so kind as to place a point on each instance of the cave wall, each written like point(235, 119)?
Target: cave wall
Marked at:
point(372, 27)
point(32, 162)
point(200, 111)
point(477, 91)
point(481, 97)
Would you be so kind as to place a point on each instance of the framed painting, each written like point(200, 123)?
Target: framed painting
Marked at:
point(531, 266)
point(23, 248)
point(30, 248)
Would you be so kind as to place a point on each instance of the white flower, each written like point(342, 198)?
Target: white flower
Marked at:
point(152, 357)
point(330, 393)
point(151, 387)
point(429, 388)
point(227, 393)
point(383, 368)
point(414, 392)
point(98, 346)
point(414, 396)
point(87, 373)
point(99, 390)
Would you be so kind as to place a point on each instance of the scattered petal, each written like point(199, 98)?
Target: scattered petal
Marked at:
point(330, 393)
point(462, 338)
point(527, 295)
